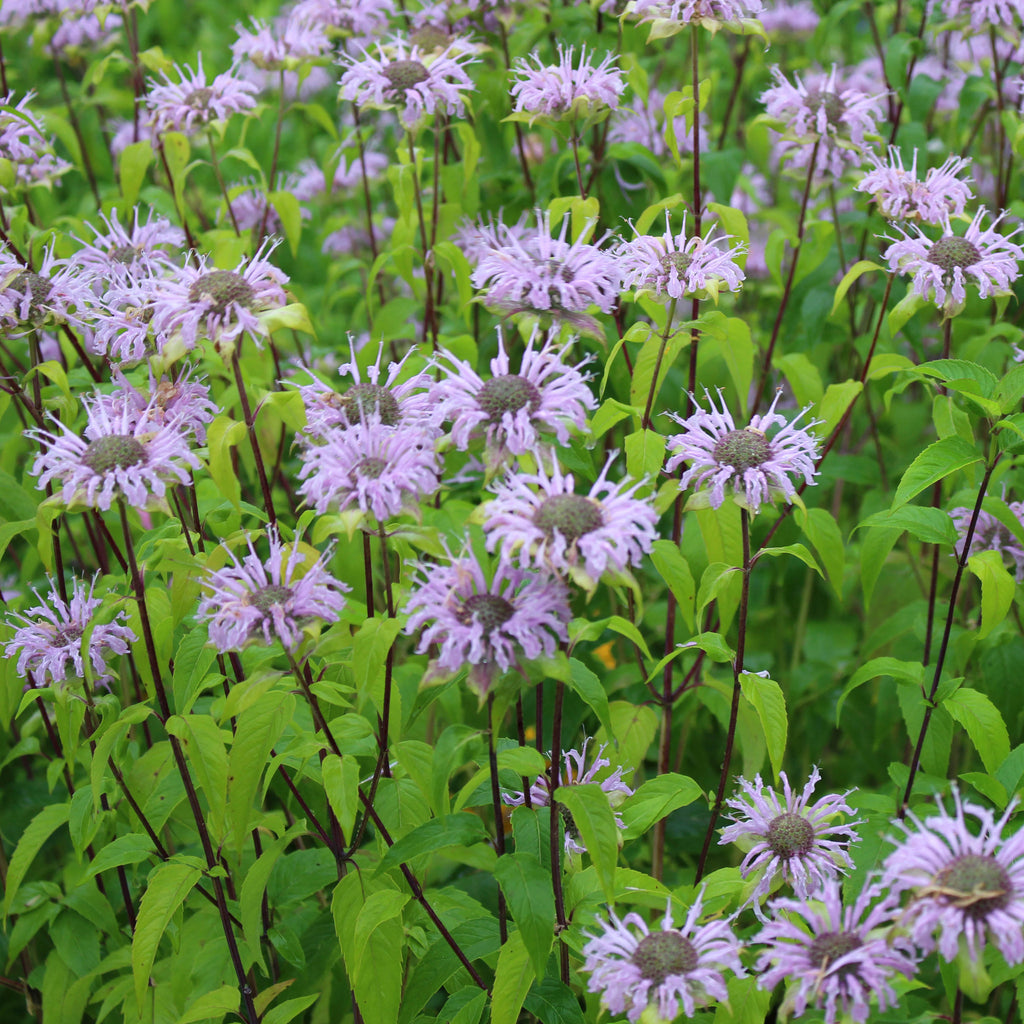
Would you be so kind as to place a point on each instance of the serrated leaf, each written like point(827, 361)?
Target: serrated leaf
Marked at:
point(675, 571)
point(462, 829)
point(997, 589)
point(168, 886)
point(203, 742)
point(527, 888)
point(855, 272)
point(823, 532)
point(929, 525)
point(132, 848)
point(936, 462)
point(512, 980)
point(904, 671)
point(192, 660)
point(213, 1004)
point(552, 1002)
point(594, 818)
point(369, 654)
point(132, 165)
point(655, 799)
point(39, 829)
point(341, 784)
point(766, 698)
point(984, 725)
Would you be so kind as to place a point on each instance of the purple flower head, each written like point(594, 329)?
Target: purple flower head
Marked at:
point(941, 268)
point(381, 470)
point(514, 412)
point(402, 76)
point(712, 13)
point(900, 196)
point(824, 110)
point(781, 18)
point(352, 17)
point(755, 466)
point(204, 303)
point(49, 635)
point(540, 520)
point(545, 275)
point(32, 298)
point(985, 14)
point(477, 238)
point(181, 403)
point(288, 44)
point(254, 600)
point(964, 888)
point(667, 971)
point(562, 91)
point(191, 103)
point(835, 957)
point(680, 265)
point(483, 623)
point(124, 454)
point(24, 143)
point(795, 841)
point(991, 535)
point(120, 254)
point(574, 772)
point(122, 320)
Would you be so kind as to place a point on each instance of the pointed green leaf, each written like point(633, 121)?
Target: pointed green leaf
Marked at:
point(655, 799)
point(765, 696)
point(859, 268)
point(984, 725)
point(39, 829)
point(929, 525)
point(527, 888)
point(588, 687)
point(936, 462)
point(997, 589)
point(341, 784)
point(675, 571)
point(592, 812)
point(461, 829)
point(203, 742)
point(512, 980)
point(903, 671)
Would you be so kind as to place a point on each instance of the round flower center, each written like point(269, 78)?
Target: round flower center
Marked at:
point(403, 75)
point(199, 99)
point(490, 610)
point(116, 451)
point(742, 449)
point(571, 514)
point(507, 393)
point(952, 252)
point(361, 399)
point(678, 261)
point(69, 634)
point(828, 947)
point(371, 468)
point(977, 883)
point(124, 253)
point(831, 102)
point(661, 954)
point(221, 289)
point(39, 289)
point(271, 595)
point(430, 38)
point(790, 835)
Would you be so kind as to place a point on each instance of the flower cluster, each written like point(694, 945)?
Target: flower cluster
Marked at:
point(991, 534)
point(563, 91)
point(901, 196)
point(24, 143)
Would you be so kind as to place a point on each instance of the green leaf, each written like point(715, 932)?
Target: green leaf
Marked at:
point(634, 727)
point(859, 268)
point(936, 462)
point(766, 697)
point(803, 377)
point(834, 403)
point(369, 654)
point(717, 579)
point(904, 671)
point(168, 886)
point(984, 725)
point(527, 888)
point(655, 799)
point(929, 525)
point(39, 829)
point(221, 436)
point(132, 165)
point(874, 552)
point(592, 812)
point(341, 784)
point(462, 829)
point(675, 571)
point(797, 551)
point(823, 532)
point(747, 1003)
point(645, 454)
point(512, 980)
point(203, 741)
point(217, 1003)
point(997, 589)
point(588, 687)
point(551, 1002)
point(290, 212)
point(131, 848)
point(192, 660)
point(289, 1009)
point(176, 150)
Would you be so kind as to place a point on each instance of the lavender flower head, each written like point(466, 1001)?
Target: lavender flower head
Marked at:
point(289, 44)
point(540, 520)
point(784, 18)
point(253, 599)
point(942, 268)
point(203, 303)
point(679, 265)
point(712, 14)
point(380, 470)
point(354, 17)
point(124, 454)
point(901, 196)
point(191, 103)
point(665, 971)
point(485, 624)
point(985, 14)
point(544, 275)
point(575, 772)
point(50, 293)
point(515, 411)
point(402, 76)
point(561, 91)
point(179, 402)
point(49, 636)
point(965, 888)
point(24, 143)
point(794, 840)
point(121, 253)
point(755, 466)
point(822, 110)
point(990, 534)
point(835, 957)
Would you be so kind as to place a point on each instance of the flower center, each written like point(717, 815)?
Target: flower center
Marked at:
point(789, 835)
point(69, 634)
point(830, 101)
point(371, 468)
point(952, 252)
point(403, 75)
point(199, 99)
point(124, 253)
point(976, 883)
point(742, 449)
point(38, 287)
point(115, 451)
point(490, 610)
point(662, 954)
point(429, 38)
point(361, 399)
point(221, 289)
point(828, 947)
point(507, 393)
point(571, 514)
point(271, 595)
point(678, 261)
